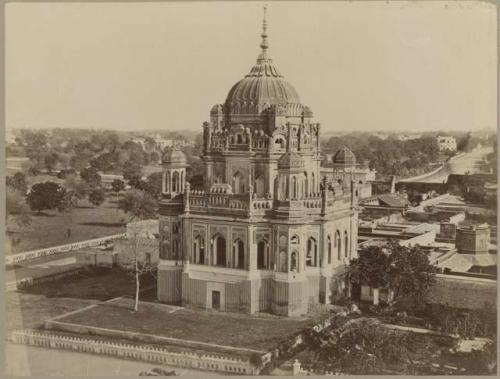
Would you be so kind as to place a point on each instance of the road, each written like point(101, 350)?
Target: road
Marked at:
point(459, 165)
point(22, 360)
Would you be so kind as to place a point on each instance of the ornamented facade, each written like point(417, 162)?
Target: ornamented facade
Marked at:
point(266, 233)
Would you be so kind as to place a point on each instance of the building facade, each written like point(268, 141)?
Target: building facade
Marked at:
point(265, 232)
point(447, 143)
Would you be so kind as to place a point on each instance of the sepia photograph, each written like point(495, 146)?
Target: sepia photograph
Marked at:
point(281, 188)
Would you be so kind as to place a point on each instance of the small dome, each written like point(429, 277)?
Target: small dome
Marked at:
point(345, 157)
point(290, 160)
point(175, 157)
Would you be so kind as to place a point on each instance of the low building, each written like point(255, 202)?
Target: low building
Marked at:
point(142, 239)
point(97, 257)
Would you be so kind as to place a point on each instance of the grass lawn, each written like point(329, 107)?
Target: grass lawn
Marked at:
point(151, 168)
point(86, 222)
point(31, 307)
point(228, 329)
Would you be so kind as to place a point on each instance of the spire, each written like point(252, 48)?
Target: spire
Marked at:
point(263, 44)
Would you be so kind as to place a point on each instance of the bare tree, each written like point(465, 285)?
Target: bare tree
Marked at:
point(141, 206)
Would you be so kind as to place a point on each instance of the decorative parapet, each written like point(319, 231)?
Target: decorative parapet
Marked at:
point(201, 361)
point(21, 257)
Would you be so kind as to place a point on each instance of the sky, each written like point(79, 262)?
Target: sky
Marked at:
point(394, 66)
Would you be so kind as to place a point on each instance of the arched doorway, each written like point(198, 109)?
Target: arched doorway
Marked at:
point(199, 250)
point(220, 251)
point(261, 255)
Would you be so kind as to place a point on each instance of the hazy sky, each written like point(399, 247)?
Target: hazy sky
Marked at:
point(358, 65)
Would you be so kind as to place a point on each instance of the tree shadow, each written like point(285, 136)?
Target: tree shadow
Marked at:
point(43, 214)
point(103, 224)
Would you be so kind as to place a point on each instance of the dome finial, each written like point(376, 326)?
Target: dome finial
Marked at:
point(263, 44)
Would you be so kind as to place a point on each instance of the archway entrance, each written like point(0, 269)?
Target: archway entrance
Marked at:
point(220, 247)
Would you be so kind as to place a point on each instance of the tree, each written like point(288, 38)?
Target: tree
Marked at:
point(47, 195)
point(117, 185)
point(96, 197)
point(410, 274)
point(76, 188)
point(16, 208)
point(154, 157)
point(17, 182)
point(140, 205)
point(91, 176)
point(370, 269)
point(105, 162)
point(50, 161)
point(153, 184)
point(405, 271)
point(132, 171)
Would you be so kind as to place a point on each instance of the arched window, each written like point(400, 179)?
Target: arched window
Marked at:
point(262, 256)
point(238, 254)
point(293, 262)
point(312, 253)
point(338, 244)
point(219, 251)
point(259, 186)
point(238, 185)
point(313, 183)
point(166, 182)
point(294, 187)
point(283, 262)
point(295, 240)
point(329, 242)
point(175, 182)
point(346, 244)
point(306, 188)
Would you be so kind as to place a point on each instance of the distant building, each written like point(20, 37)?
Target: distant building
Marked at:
point(343, 168)
point(473, 239)
point(393, 201)
point(447, 143)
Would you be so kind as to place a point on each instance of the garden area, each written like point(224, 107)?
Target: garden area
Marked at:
point(30, 307)
point(233, 330)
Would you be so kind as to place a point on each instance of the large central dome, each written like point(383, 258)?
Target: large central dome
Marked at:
point(262, 87)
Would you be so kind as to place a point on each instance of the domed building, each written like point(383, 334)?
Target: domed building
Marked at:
point(343, 169)
point(266, 232)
